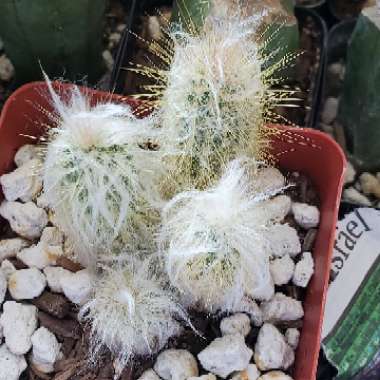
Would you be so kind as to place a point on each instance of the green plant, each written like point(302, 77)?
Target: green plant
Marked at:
point(131, 312)
point(359, 110)
point(213, 242)
point(98, 178)
point(64, 37)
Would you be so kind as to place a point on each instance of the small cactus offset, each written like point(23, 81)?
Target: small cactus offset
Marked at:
point(213, 241)
point(132, 312)
point(64, 37)
point(96, 176)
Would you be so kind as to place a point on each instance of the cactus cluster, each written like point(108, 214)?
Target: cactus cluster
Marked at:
point(207, 235)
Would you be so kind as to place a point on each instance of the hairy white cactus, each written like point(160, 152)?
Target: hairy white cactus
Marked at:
point(212, 241)
point(131, 312)
point(97, 176)
point(214, 99)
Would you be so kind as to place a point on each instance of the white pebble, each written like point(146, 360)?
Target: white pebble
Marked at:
point(40, 255)
point(209, 376)
point(282, 270)
point(283, 240)
point(250, 373)
point(281, 308)
point(226, 355)
point(26, 284)
point(8, 268)
point(278, 207)
point(149, 374)
point(53, 277)
point(353, 196)
point(306, 216)
point(337, 69)
point(330, 110)
point(154, 28)
point(268, 179)
point(11, 365)
point(7, 70)
point(19, 323)
point(304, 270)
point(370, 184)
point(3, 286)
point(176, 365)
point(26, 219)
point(24, 183)
point(11, 247)
point(235, 324)
point(271, 349)
point(275, 375)
point(43, 201)
point(250, 307)
point(46, 350)
point(77, 286)
point(108, 59)
point(292, 336)
point(350, 173)
point(52, 236)
point(264, 292)
point(25, 154)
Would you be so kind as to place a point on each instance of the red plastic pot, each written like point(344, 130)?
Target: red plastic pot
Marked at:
point(303, 150)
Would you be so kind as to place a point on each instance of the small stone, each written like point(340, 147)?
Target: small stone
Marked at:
point(19, 323)
point(275, 375)
point(120, 28)
point(113, 39)
point(226, 355)
point(235, 324)
point(330, 110)
point(154, 28)
point(282, 270)
point(7, 70)
point(304, 270)
point(108, 59)
point(350, 174)
point(353, 196)
point(7, 268)
point(306, 216)
point(278, 207)
point(53, 304)
point(26, 219)
point(46, 350)
point(268, 179)
point(40, 255)
point(77, 286)
point(292, 336)
point(283, 240)
point(338, 70)
point(24, 183)
point(26, 153)
point(149, 375)
point(43, 201)
point(176, 365)
point(52, 236)
point(3, 286)
point(370, 184)
point(250, 373)
point(209, 376)
point(26, 284)
point(11, 365)
point(264, 292)
point(11, 247)
point(282, 308)
point(250, 307)
point(53, 277)
point(271, 349)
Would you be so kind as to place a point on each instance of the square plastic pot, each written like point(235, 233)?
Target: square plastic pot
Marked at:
point(304, 150)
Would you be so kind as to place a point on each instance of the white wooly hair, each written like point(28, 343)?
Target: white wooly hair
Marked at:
point(213, 241)
point(131, 312)
point(98, 179)
point(213, 107)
